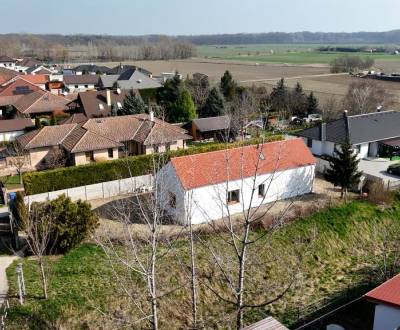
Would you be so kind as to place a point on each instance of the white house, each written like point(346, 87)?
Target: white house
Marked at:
point(80, 83)
point(7, 62)
point(387, 300)
point(10, 129)
point(209, 186)
point(368, 133)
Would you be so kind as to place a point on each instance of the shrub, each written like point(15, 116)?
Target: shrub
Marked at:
point(74, 221)
point(19, 210)
point(70, 177)
point(378, 193)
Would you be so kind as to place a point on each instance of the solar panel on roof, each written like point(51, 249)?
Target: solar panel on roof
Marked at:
point(22, 90)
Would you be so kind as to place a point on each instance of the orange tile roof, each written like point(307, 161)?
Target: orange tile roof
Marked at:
point(210, 168)
point(6, 75)
point(39, 79)
point(388, 292)
point(15, 88)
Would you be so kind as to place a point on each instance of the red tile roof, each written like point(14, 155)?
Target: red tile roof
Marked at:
point(19, 87)
point(210, 168)
point(37, 79)
point(388, 292)
point(6, 75)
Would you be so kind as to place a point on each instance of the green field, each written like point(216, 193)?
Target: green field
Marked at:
point(341, 247)
point(283, 53)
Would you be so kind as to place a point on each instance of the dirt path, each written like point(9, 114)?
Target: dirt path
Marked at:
point(5, 261)
point(295, 77)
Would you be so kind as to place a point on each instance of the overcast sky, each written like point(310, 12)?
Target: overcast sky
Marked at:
point(172, 17)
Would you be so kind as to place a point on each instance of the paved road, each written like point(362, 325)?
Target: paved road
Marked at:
point(5, 261)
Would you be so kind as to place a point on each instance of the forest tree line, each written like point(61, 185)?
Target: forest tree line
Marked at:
point(59, 48)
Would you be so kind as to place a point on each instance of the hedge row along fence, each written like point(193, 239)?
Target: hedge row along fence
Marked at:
point(76, 176)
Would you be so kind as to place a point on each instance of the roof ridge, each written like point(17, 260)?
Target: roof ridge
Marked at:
point(232, 149)
point(36, 101)
point(371, 113)
point(70, 131)
point(36, 135)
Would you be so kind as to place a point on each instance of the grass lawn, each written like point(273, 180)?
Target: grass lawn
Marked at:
point(340, 249)
point(11, 182)
point(282, 53)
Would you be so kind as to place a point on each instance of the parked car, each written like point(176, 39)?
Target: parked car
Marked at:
point(313, 117)
point(394, 169)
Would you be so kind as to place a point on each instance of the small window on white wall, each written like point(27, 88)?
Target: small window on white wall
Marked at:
point(233, 197)
point(261, 190)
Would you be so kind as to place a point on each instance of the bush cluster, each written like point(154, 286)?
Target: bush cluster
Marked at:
point(70, 177)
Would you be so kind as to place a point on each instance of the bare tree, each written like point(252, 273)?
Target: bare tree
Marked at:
point(365, 96)
point(199, 88)
point(230, 258)
point(38, 224)
point(140, 254)
point(17, 157)
point(332, 108)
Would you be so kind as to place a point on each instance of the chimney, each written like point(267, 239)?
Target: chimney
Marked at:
point(346, 124)
point(151, 115)
point(108, 98)
point(323, 132)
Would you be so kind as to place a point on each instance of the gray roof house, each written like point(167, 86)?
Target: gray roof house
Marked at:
point(129, 79)
point(366, 133)
point(121, 68)
point(210, 128)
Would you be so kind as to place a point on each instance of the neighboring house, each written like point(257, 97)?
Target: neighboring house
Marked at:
point(6, 75)
point(103, 139)
point(95, 104)
point(40, 103)
point(387, 300)
point(81, 83)
point(90, 69)
point(217, 128)
point(10, 129)
point(121, 68)
point(39, 69)
point(209, 186)
point(24, 64)
point(132, 78)
point(40, 80)
point(7, 62)
point(368, 133)
point(75, 118)
point(15, 90)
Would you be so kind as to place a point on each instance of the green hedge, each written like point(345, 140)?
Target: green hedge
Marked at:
point(75, 176)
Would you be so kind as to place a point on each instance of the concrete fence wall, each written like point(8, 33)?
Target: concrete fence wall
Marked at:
point(99, 190)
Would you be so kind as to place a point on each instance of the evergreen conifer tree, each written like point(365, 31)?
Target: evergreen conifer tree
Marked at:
point(228, 86)
point(312, 104)
point(214, 105)
point(132, 105)
point(184, 109)
point(298, 101)
point(343, 170)
point(279, 96)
